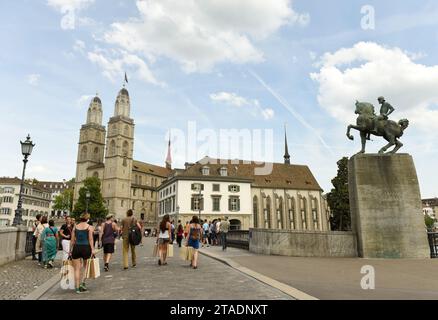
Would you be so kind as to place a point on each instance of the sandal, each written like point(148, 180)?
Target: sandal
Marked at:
point(159, 262)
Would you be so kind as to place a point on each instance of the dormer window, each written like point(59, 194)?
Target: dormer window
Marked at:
point(205, 171)
point(223, 172)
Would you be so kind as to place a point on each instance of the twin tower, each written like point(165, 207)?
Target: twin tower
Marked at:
point(108, 155)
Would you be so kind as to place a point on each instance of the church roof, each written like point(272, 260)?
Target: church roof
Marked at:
point(124, 91)
point(150, 169)
point(287, 176)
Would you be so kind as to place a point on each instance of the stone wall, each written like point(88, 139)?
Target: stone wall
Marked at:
point(303, 243)
point(9, 238)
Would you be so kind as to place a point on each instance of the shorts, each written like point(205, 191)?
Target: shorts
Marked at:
point(108, 248)
point(163, 240)
point(81, 252)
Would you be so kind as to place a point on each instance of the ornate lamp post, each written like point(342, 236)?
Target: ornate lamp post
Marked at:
point(26, 150)
point(87, 196)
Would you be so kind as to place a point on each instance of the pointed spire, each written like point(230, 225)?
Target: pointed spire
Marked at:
point(286, 150)
point(169, 156)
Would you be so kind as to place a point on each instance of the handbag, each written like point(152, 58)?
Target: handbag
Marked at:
point(170, 250)
point(93, 268)
point(183, 252)
point(155, 250)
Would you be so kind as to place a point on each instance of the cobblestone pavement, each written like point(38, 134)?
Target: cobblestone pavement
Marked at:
point(212, 279)
point(19, 278)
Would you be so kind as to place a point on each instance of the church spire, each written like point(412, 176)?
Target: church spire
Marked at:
point(169, 156)
point(286, 151)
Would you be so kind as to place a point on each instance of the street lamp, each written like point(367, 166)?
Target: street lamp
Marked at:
point(87, 195)
point(26, 150)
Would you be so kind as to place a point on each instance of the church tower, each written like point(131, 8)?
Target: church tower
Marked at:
point(116, 188)
point(286, 149)
point(91, 146)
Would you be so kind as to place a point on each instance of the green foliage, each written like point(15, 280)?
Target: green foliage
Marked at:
point(96, 207)
point(428, 221)
point(338, 199)
point(64, 201)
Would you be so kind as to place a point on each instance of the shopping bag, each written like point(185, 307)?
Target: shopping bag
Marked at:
point(93, 268)
point(170, 250)
point(183, 252)
point(155, 251)
point(190, 252)
point(67, 275)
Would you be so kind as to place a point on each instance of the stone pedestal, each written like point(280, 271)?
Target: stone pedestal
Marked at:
point(20, 244)
point(385, 206)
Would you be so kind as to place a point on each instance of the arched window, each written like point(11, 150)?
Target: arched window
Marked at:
point(125, 148)
point(303, 209)
point(98, 136)
point(112, 151)
point(291, 213)
point(84, 152)
point(314, 204)
point(96, 174)
point(96, 154)
point(235, 224)
point(126, 130)
point(280, 223)
point(267, 213)
point(255, 211)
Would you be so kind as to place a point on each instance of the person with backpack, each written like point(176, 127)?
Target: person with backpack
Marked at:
point(179, 233)
point(163, 240)
point(108, 230)
point(49, 238)
point(193, 240)
point(130, 231)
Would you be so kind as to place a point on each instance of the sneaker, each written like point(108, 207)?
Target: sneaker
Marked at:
point(106, 267)
point(83, 287)
point(79, 291)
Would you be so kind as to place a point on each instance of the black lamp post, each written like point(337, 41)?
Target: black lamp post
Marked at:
point(87, 195)
point(26, 150)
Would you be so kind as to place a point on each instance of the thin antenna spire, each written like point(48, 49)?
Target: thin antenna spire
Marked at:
point(286, 149)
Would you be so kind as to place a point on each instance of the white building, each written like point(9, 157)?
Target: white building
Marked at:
point(56, 188)
point(36, 200)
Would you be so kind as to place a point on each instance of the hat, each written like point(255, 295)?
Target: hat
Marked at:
point(109, 216)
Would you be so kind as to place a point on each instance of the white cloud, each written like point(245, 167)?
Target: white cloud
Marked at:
point(69, 10)
point(201, 33)
point(114, 64)
point(368, 70)
point(235, 100)
point(33, 79)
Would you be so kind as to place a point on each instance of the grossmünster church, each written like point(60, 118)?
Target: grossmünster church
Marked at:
point(107, 153)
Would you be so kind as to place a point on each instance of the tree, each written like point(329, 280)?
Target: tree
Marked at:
point(338, 199)
point(64, 201)
point(96, 207)
point(429, 221)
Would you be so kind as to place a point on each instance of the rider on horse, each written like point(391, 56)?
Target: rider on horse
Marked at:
point(385, 110)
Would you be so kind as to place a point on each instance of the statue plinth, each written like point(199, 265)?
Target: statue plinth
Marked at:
point(385, 205)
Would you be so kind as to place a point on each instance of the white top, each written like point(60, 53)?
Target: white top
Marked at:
point(164, 235)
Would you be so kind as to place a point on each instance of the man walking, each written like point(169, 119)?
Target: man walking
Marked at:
point(224, 228)
point(35, 236)
point(127, 223)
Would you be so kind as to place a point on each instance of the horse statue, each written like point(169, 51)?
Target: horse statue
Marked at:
point(369, 123)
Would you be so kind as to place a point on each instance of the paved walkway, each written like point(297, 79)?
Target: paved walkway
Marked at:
point(212, 279)
point(340, 278)
point(19, 278)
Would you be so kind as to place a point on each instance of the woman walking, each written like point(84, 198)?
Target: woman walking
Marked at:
point(49, 238)
point(107, 231)
point(194, 238)
point(164, 239)
point(82, 248)
point(179, 233)
point(39, 243)
point(65, 233)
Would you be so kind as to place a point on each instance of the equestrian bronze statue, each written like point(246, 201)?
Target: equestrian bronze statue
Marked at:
point(368, 123)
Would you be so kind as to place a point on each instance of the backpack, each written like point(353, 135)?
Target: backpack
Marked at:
point(134, 234)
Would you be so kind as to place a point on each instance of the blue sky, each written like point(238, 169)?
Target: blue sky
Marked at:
point(248, 64)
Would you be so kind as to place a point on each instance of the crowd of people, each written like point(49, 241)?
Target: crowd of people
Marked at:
point(78, 240)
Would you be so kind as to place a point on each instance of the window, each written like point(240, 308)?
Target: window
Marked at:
point(112, 150)
point(216, 187)
point(195, 186)
point(291, 209)
point(267, 213)
point(205, 171)
point(8, 190)
point(8, 199)
point(134, 192)
point(84, 153)
point(233, 188)
point(216, 203)
point(280, 213)
point(315, 214)
point(7, 211)
point(234, 204)
point(197, 203)
point(223, 172)
point(255, 211)
point(122, 203)
point(303, 208)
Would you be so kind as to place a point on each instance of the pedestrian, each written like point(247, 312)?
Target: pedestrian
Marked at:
point(49, 239)
point(186, 230)
point(218, 231)
point(34, 236)
point(164, 238)
point(179, 233)
point(142, 223)
point(96, 233)
point(205, 228)
point(224, 228)
point(213, 232)
point(65, 233)
point(128, 223)
point(81, 249)
point(39, 248)
point(193, 240)
point(173, 231)
point(106, 239)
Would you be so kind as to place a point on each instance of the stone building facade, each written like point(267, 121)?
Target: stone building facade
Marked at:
point(108, 155)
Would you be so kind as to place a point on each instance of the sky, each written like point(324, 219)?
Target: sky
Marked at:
point(199, 67)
